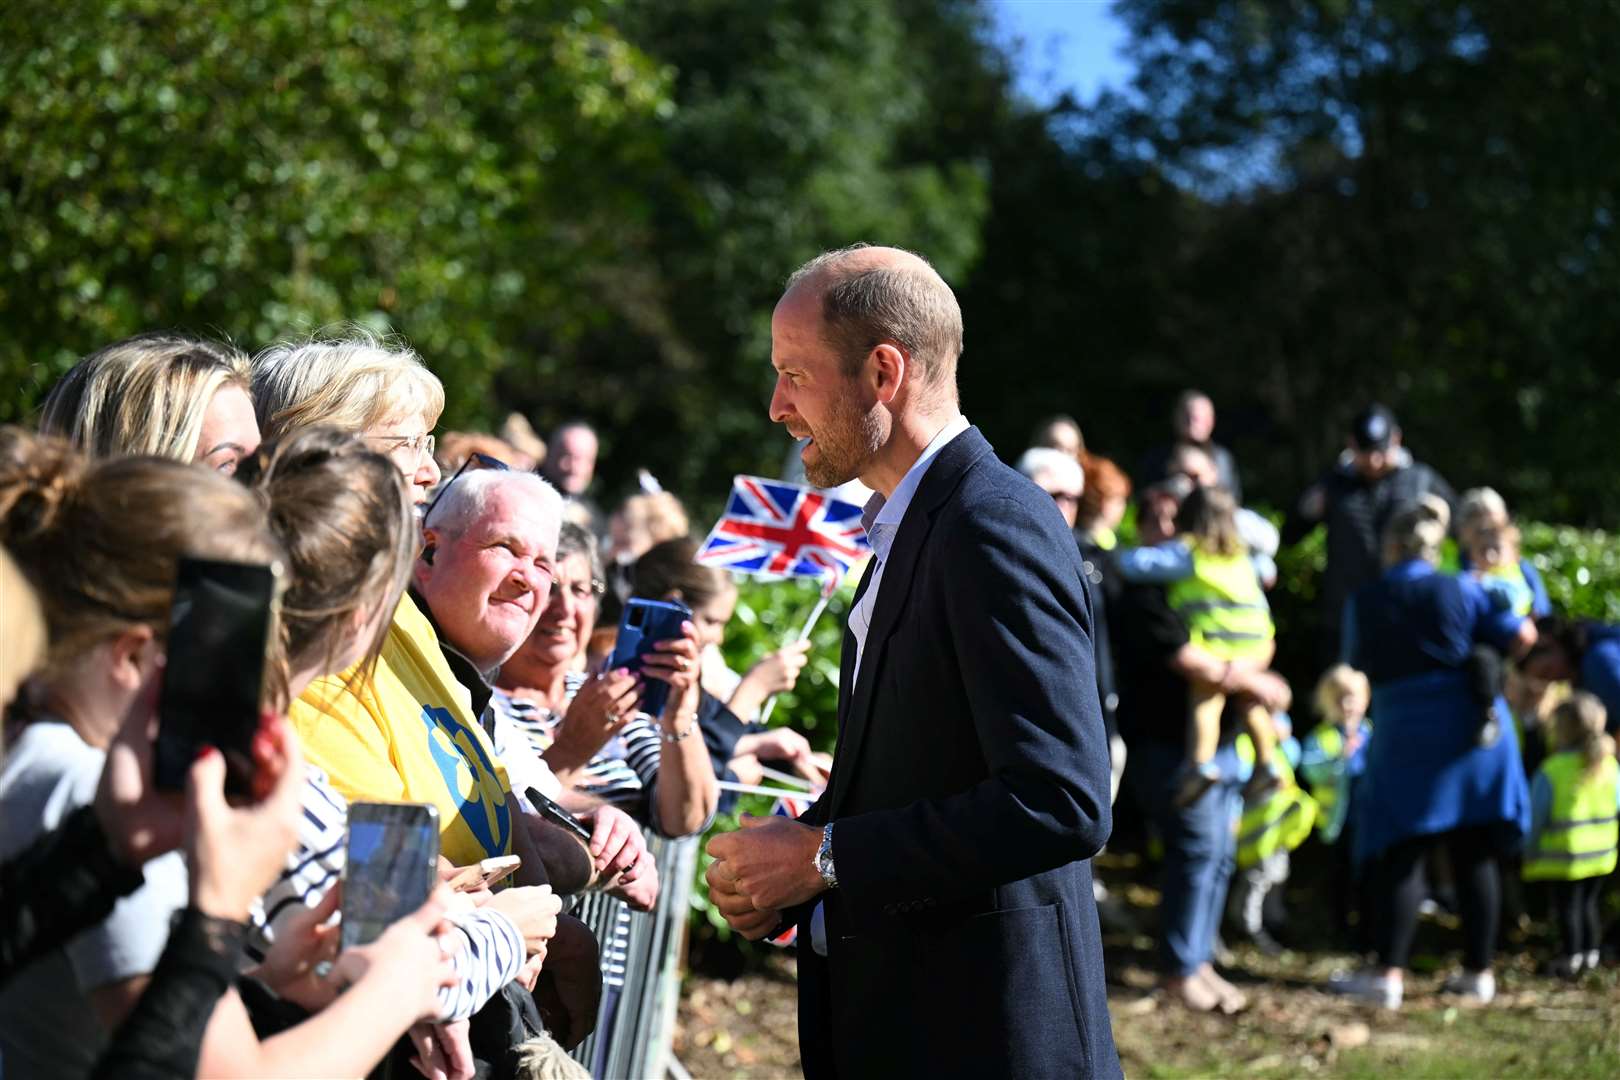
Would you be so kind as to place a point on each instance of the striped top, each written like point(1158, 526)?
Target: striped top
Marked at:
point(624, 772)
point(491, 950)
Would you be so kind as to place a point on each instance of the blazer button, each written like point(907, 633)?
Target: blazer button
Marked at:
point(888, 909)
point(928, 903)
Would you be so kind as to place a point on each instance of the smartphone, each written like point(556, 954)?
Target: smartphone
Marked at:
point(644, 624)
point(485, 874)
point(220, 624)
point(558, 816)
point(390, 868)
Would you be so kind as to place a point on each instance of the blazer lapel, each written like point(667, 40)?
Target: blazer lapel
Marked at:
point(941, 479)
point(846, 652)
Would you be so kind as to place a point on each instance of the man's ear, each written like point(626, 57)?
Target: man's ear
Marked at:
point(134, 653)
point(888, 364)
point(422, 569)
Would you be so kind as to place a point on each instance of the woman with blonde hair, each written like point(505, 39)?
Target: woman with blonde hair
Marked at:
point(358, 382)
point(161, 393)
point(1430, 779)
point(405, 728)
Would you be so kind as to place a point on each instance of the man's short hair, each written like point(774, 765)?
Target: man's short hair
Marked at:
point(466, 499)
point(1039, 461)
point(863, 306)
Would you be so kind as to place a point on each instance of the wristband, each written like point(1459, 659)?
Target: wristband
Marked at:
point(675, 737)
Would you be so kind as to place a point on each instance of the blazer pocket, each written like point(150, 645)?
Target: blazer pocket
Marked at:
point(993, 996)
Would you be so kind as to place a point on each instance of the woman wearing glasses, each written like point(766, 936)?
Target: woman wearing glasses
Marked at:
point(361, 384)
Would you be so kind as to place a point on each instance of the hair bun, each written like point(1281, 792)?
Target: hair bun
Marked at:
point(39, 474)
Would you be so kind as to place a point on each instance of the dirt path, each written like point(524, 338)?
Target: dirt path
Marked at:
point(745, 1026)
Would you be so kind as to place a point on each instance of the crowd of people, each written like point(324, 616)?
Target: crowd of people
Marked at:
point(1457, 746)
point(439, 636)
point(446, 617)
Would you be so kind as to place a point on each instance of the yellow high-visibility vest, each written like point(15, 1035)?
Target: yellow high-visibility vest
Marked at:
point(1279, 823)
point(1223, 606)
point(1582, 834)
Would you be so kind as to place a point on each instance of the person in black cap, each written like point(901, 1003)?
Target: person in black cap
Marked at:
point(1355, 498)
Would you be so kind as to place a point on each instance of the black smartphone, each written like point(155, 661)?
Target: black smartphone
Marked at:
point(220, 624)
point(644, 624)
point(557, 815)
point(390, 868)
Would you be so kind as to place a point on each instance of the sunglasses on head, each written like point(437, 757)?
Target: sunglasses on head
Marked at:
point(474, 459)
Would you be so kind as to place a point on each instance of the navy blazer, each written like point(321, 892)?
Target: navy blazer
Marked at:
point(969, 791)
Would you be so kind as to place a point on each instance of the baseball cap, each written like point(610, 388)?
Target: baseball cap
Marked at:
point(1373, 428)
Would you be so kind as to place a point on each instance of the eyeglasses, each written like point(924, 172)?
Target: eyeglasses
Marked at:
point(483, 461)
point(586, 590)
point(422, 444)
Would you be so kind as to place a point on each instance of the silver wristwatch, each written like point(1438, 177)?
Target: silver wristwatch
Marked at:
point(824, 859)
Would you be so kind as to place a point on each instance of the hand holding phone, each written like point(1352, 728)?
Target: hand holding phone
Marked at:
point(220, 626)
point(558, 816)
point(644, 624)
point(390, 868)
point(485, 874)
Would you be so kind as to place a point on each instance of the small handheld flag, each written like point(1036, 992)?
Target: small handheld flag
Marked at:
point(774, 527)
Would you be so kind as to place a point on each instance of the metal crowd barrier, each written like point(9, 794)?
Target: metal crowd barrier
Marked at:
point(634, 1034)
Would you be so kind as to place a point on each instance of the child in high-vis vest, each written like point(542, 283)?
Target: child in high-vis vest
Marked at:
point(1490, 551)
point(1332, 758)
point(1267, 830)
point(1213, 587)
point(1575, 827)
point(1334, 752)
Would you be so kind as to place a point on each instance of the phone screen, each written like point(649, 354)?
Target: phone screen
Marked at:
point(213, 677)
point(644, 624)
point(392, 861)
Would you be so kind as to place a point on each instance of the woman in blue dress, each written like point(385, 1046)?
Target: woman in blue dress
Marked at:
point(1441, 772)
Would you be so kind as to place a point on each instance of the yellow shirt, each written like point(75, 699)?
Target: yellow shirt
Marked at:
point(407, 734)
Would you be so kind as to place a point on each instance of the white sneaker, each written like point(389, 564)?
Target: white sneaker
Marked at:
point(1477, 986)
point(1368, 986)
point(1566, 967)
point(1594, 959)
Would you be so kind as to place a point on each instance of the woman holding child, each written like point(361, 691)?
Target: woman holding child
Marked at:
point(1442, 769)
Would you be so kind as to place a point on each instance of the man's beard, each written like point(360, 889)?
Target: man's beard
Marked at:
point(844, 444)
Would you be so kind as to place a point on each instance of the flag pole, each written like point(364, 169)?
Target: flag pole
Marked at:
point(827, 591)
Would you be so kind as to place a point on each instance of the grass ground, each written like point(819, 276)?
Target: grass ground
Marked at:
point(741, 1023)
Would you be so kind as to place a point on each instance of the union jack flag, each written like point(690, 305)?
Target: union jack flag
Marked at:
point(772, 527)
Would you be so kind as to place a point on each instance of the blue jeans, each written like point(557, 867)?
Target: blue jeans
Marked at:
point(1200, 852)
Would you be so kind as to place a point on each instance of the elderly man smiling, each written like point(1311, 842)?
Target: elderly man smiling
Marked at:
point(485, 576)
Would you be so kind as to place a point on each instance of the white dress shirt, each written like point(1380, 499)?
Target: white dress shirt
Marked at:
point(882, 518)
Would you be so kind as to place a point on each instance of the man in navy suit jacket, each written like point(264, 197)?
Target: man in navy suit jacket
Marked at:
point(941, 886)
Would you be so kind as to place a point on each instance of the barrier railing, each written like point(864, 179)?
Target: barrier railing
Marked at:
point(641, 952)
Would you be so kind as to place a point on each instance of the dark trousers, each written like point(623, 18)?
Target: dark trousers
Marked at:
point(1575, 907)
point(1399, 889)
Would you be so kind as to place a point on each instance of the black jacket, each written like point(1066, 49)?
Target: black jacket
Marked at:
point(969, 791)
point(1355, 511)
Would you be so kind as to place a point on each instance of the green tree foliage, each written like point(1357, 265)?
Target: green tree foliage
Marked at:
point(263, 168)
point(796, 126)
point(571, 208)
point(1303, 206)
